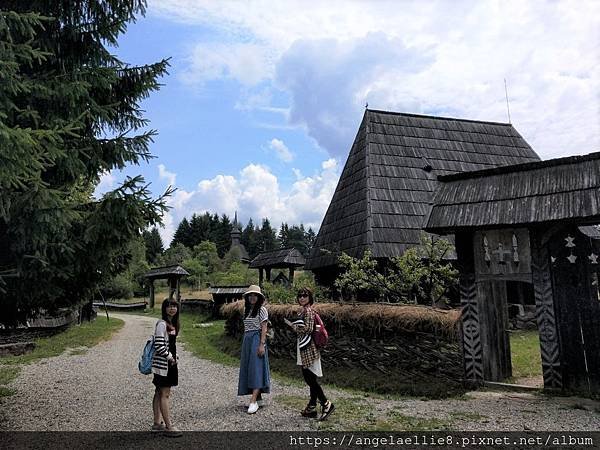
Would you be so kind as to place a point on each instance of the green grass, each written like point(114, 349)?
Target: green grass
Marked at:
point(355, 413)
point(74, 339)
point(85, 335)
point(525, 354)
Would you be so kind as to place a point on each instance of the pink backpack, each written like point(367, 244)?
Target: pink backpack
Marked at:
point(320, 335)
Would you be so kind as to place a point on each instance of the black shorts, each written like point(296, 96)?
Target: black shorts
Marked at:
point(169, 381)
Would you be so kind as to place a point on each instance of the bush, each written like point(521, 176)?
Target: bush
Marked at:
point(119, 287)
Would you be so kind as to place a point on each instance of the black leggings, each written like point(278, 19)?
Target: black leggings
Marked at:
point(315, 389)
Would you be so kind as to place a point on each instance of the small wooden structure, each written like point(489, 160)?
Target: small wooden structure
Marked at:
point(225, 294)
point(528, 223)
point(171, 273)
point(285, 258)
point(386, 186)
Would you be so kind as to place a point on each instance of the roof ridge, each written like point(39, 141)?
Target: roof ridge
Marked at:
point(523, 167)
point(368, 177)
point(426, 116)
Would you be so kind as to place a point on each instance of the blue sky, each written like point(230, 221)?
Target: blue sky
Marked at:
point(264, 98)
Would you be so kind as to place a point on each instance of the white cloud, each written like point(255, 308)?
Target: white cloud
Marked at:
point(435, 57)
point(256, 193)
point(281, 150)
point(164, 174)
point(246, 63)
point(106, 183)
point(331, 163)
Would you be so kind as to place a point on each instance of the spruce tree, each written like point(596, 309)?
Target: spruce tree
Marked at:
point(154, 245)
point(182, 234)
point(69, 111)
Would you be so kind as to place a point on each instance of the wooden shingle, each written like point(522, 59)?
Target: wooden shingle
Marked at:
point(385, 189)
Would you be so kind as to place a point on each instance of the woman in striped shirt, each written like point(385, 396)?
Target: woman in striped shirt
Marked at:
point(254, 361)
point(164, 366)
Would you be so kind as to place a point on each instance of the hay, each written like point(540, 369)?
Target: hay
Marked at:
point(368, 318)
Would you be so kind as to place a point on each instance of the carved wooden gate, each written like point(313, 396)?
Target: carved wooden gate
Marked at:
point(574, 267)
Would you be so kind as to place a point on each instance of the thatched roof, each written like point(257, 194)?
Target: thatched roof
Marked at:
point(547, 191)
point(166, 271)
point(285, 257)
point(386, 186)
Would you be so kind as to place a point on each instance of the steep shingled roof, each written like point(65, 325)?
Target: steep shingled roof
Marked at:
point(545, 191)
point(284, 257)
point(386, 186)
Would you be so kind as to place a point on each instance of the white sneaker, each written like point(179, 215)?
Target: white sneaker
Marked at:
point(252, 408)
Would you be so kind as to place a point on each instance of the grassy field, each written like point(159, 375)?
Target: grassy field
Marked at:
point(525, 354)
point(77, 339)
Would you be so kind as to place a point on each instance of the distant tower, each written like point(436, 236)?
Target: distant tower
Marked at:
point(236, 234)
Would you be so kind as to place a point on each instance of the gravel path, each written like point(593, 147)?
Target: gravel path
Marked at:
point(102, 390)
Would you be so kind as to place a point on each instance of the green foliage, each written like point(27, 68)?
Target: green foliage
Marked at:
point(237, 274)
point(360, 277)
point(421, 275)
point(424, 272)
point(120, 286)
point(69, 111)
point(279, 293)
point(175, 255)
point(154, 245)
point(87, 334)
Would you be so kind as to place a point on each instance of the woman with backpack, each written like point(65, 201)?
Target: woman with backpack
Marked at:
point(254, 379)
point(309, 357)
point(164, 367)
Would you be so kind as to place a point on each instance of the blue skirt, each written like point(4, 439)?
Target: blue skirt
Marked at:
point(254, 369)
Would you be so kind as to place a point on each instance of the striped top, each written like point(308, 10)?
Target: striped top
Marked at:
point(160, 360)
point(253, 323)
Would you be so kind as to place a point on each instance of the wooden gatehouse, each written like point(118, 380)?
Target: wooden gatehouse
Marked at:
point(532, 223)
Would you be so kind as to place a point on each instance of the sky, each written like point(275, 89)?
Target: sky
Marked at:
point(264, 98)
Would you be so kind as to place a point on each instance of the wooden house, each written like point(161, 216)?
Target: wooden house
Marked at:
point(386, 186)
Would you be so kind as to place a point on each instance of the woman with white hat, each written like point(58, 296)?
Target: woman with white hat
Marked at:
point(254, 362)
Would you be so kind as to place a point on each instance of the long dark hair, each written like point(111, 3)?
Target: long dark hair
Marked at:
point(250, 311)
point(172, 324)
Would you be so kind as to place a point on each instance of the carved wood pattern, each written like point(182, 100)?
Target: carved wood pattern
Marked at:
point(472, 351)
point(546, 316)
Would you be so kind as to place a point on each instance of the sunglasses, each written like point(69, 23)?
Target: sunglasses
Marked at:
point(303, 295)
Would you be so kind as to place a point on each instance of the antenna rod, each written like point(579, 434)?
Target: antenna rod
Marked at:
point(507, 107)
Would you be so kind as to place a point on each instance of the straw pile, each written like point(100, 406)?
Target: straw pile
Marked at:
point(376, 321)
point(415, 344)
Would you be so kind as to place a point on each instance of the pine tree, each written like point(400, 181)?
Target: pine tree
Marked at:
point(182, 234)
point(250, 239)
point(267, 239)
point(222, 236)
point(154, 245)
point(69, 111)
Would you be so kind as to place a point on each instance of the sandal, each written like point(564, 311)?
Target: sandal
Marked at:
point(310, 411)
point(326, 409)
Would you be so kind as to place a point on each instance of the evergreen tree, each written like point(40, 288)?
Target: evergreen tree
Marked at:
point(154, 245)
point(222, 236)
point(283, 236)
point(297, 238)
point(250, 239)
point(267, 239)
point(69, 111)
point(310, 238)
point(182, 234)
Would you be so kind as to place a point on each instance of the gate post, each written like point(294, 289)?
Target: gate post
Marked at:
point(545, 314)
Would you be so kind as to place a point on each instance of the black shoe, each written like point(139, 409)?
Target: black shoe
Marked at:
point(327, 409)
point(310, 411)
